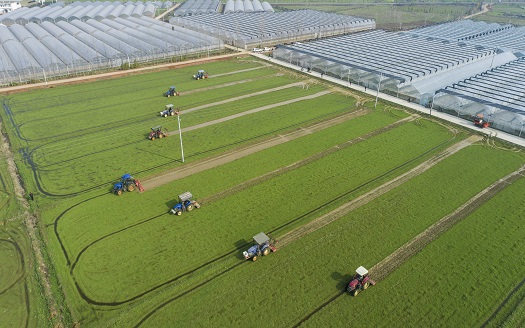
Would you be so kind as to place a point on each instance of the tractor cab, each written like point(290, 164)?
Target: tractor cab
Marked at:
point(156, 132)
point(360, 282)
point(263, 246)
point(185, 204)
point(169, 111)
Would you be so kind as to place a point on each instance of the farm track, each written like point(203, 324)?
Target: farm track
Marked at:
point(334, 215)
point(388, 265)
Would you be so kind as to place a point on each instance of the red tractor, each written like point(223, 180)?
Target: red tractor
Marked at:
point(157, 133)
point(480, 122)
point(360, 282)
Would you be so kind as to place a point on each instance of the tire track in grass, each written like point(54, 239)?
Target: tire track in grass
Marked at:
point(222, 195)
point(389, 264)
point(27, 155)
point(505, 301)
point(210, 164)
point(19, 279)
point(289, 237)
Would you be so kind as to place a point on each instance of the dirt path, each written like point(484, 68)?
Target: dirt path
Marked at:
point(402, 254)
point(30, 222)
point(485, 8)
point(231, 156)
point(373, 194)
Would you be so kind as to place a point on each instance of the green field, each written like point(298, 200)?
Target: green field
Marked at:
point(125, 261)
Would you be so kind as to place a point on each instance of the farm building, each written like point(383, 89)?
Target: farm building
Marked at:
point(7, 6)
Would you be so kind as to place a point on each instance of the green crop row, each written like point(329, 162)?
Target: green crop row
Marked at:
point(284, 288)
point(109, 262)
point(478, 262)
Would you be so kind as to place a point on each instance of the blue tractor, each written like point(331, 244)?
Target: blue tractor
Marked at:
point(169, 111)
point(263, 246)
point(201, 74)
point(171, 92)
point(127, 183)
point(185, 204)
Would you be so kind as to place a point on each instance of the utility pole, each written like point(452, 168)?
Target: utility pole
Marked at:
point(180, 135)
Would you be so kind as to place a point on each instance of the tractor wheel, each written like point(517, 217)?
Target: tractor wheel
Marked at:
point(152, 138)
point(119, 192)
point(172, 113)
point(197, 205)
point(254, 258)
point(365, 286)
point(266, 251)
point(165, 115)
point(356, 292)
point(189, 208)
point(178, 213)
point(131, 188)
point(161, 136)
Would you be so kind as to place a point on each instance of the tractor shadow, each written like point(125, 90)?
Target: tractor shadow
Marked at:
point(342, 280)
point(241, 245)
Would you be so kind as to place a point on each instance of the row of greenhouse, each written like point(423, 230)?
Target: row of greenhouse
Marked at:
point(466, 68)
point(194, 7)
point(83, 11)
point(259, 29)
point(42, 51)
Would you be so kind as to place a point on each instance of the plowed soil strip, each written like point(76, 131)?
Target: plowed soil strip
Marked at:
point(230, 157)
point(388, 265)
point(296, 84)
point(373, 194)
point(305, 161)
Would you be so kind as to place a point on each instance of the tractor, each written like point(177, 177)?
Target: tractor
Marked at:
point(201, 74)
point(480, 122)
point(360, 282)
point(156, 132)
point(169, 111)
point(263, 246)
point(185, 204)
point(127, 183)
point(171, 92)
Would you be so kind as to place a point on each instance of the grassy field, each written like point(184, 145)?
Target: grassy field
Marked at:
point(124, 261)
point(505, 13)
point(21, 302)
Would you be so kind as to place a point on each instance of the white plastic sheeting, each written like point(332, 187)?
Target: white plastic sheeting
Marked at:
point(40, 51)
point(78, 10)
point(498, 94)
point(256, 29)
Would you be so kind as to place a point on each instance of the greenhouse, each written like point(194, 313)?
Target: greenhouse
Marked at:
point(49, 49)
point(247, 30)
point(497, 94)
point(193, 7)
point(80, 10)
